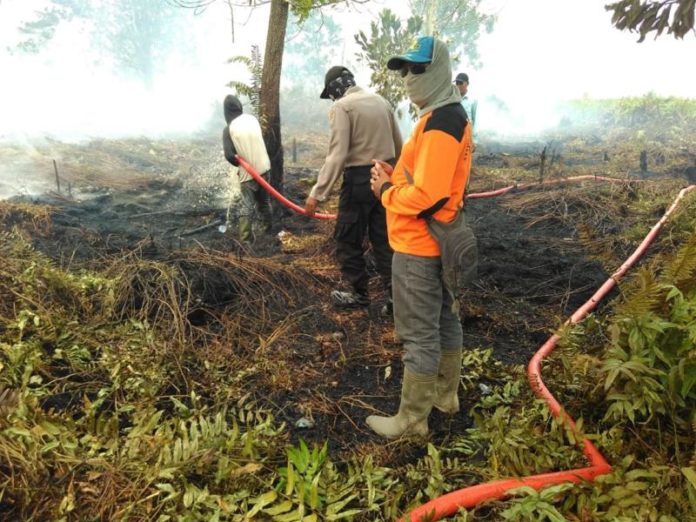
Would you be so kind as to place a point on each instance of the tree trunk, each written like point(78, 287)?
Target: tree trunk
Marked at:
point(270, 88)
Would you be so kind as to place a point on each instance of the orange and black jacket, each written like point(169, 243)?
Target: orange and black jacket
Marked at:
point(428, 180)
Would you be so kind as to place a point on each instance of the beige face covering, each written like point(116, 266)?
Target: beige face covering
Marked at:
point(434, 87)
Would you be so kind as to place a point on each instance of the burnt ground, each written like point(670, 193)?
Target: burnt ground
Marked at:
point(531, 278)
point(539, 261)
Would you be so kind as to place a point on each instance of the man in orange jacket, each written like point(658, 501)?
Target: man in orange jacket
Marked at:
point(427, 182)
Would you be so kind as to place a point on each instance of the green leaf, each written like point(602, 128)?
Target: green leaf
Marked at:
point(167, 488)
point(261, 502)
point(49, 427)
point(336, 507)
point(23, 432)
point(279, 509)
point(167, 473)
point(690, 474)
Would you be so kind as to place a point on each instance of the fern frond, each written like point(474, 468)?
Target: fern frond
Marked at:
point(681, 271)
point(252, 90)
point(244, 60)
point(241, 88)
point(644, 298)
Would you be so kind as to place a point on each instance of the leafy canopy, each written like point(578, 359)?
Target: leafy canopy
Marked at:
point(675, 16)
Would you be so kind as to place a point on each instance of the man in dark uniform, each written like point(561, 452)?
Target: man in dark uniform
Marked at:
point(363, 129)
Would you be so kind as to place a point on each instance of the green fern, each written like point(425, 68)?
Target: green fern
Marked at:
point(252, 90)
point(644, 295)
point(681, 271)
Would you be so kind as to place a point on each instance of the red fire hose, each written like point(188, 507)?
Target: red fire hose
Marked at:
point(469, 497)
point(526, 186)
point(273, 192)
point(499, 192)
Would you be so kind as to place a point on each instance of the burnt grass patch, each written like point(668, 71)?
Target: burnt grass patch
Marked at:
point(320, 370)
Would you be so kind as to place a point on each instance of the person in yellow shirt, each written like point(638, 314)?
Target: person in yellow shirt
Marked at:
point(428, 182)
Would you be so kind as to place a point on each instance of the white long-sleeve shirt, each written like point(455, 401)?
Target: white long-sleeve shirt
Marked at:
point(245, 132)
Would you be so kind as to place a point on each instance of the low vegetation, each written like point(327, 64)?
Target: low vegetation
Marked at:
point(129, 388)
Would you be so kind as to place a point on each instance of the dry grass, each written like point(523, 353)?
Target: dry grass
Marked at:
point(33, 219)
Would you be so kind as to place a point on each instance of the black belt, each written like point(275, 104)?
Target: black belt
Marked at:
point(391, 161)
point(356, 168)
point(357, 174)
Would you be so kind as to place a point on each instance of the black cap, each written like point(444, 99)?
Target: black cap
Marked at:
point(461, 78)
point(335, 72)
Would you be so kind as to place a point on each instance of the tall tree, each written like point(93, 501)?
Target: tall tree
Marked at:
point(269, 106)
point(309, 46)
point(40, 30)
point(139, 34)
point(135, 34)
point(388, 36)
point(647, 16)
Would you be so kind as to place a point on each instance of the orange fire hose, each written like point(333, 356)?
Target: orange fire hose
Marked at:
point(469, 497)
point(499, 192)
point(273, 192)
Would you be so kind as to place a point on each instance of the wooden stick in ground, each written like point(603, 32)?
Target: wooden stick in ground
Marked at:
point(542, 165)
point(55, 168)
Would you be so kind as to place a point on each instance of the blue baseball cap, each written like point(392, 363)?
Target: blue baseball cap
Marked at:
point(421, 52)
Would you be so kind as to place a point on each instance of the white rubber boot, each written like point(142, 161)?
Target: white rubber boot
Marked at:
point(417, 395)
point(448, 375)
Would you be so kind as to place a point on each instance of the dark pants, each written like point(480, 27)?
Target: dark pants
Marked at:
point(361, 214)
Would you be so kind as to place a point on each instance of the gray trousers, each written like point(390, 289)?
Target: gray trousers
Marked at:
point(423, 312)
point(253, 197)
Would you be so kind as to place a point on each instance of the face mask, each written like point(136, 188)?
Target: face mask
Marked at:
point(418, 89)
point(338, 87)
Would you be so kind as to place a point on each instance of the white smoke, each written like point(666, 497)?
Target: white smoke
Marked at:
point(540, 53)
point(71, 91)
point(545, 52)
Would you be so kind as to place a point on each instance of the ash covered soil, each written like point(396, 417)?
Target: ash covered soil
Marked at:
point(166, 201)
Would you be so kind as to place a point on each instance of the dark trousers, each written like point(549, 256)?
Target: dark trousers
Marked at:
point(360, 214)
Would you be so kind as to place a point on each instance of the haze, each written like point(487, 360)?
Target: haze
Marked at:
point(540, 52)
